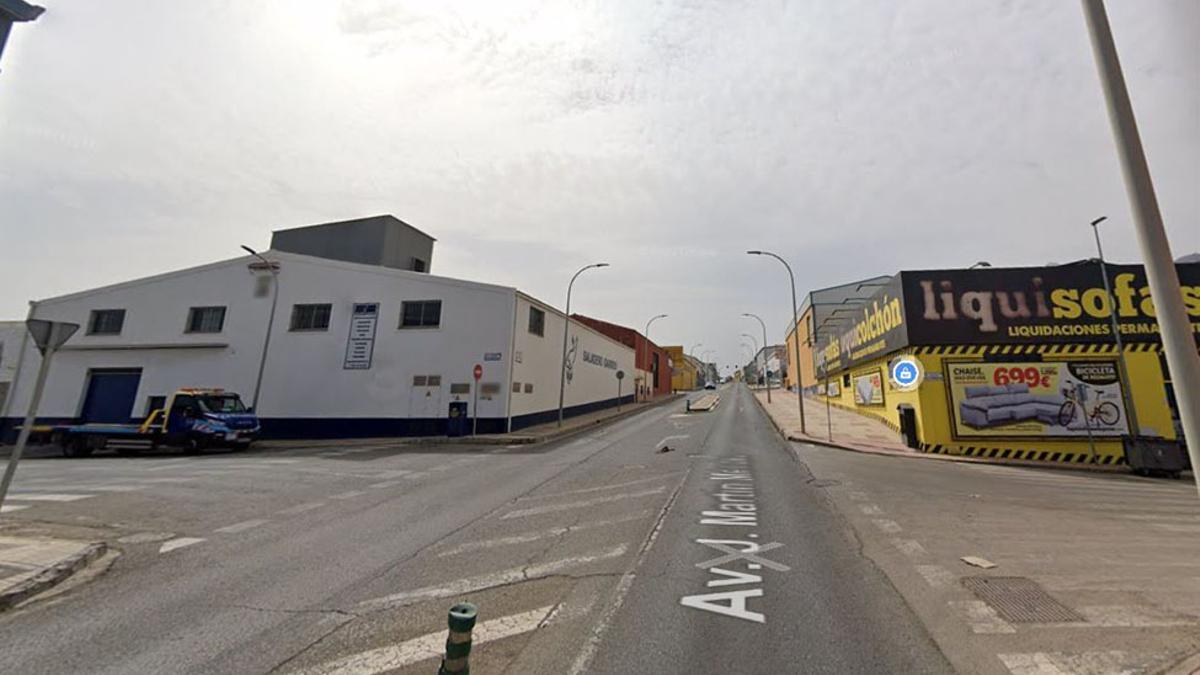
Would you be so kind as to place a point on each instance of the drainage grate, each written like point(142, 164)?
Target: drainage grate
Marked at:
point(1020, 600)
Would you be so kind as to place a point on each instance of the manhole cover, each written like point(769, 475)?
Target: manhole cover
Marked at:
point(1020, 600)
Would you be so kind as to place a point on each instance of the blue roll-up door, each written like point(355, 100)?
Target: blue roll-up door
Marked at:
point(110, 396)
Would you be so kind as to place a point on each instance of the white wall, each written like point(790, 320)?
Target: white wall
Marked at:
point(12, 333)
point(540, 359)
point(304, 372)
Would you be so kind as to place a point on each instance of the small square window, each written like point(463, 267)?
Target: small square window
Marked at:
point(106, 322)
point(537, 322)
point(460, 388)
point(528, 388)
point(206, 319)
point(310, 317)
point(516, 387)
point(419, 380)
point(420, 314)
point(435, 380)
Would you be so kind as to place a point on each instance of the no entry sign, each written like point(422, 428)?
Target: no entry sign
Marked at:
point(478, 372)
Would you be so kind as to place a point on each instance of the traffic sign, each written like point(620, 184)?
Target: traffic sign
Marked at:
point(906, 373)
point(478, 372)
point(620, 374)
point(50, 334)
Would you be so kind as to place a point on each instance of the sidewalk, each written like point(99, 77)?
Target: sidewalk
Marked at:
point(30, 565)
point(540, 433)
point(861, 433)
point(849, 430)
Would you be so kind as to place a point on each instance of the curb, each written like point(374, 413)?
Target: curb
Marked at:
point(1188, 666)
point(944, 458)
point(526, 439)
point(51, 576)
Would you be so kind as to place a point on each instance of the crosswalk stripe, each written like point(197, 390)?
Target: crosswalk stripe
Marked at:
point(301, 508)
point(535, 536)
point(470, 584)
point(554, 508)
point(11, 508)
point(177, 543)
point(47, 497)
point(241, 527)
point(601, 488)
point(428, 646)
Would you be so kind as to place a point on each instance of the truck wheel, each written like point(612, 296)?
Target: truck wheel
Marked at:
point(193, 446)
point(77, 447)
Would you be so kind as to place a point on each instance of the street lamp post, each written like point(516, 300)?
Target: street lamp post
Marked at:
point(764, 335)
point(562, 375)
point(754, 341)
point(273, 268)
point(1178, 340)
point(646, 338)
point(796, 326)
point(1122, 367)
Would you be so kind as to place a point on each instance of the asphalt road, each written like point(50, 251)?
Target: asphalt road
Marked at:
point(587, 555)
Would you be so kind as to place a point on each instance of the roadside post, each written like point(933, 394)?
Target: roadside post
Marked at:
point(48, 336)
point(458, 642)
point(620, 376)
point(475, 402)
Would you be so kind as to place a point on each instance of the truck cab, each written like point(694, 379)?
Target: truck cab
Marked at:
point(203, 418)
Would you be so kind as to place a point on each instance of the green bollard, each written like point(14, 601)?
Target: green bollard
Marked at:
point(458, 643)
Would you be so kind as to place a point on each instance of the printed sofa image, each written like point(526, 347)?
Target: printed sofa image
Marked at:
point(986, 406)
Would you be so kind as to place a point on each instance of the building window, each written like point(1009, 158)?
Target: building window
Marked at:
point(106, 322)
point(434, 381)
point(421, 314)
point(311, 317)
point(528, 388)
point(516, 387)
point(206, 319)
point(155, 403)
point(460, 387)
point(537, 322)
point(418, 265)
point(419, 380)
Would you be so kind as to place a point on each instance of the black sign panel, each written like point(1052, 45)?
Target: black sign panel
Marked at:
point(1066, 303)
point(869, 331)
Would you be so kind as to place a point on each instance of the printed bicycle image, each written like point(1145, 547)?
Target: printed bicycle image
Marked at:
point(1103, 413)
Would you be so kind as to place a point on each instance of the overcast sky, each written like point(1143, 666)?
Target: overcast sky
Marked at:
point(855, 138)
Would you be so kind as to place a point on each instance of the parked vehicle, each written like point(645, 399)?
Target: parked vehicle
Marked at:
point(192, 419)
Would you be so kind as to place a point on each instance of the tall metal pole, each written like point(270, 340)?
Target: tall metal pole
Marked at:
point(562, 379)
point(1122, 367)
point(646, 339)
point(262, 362)
point(764, 334)
point(796, 327)
point(1179, 342)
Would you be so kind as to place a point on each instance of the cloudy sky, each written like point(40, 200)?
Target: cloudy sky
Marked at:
point(666, 137)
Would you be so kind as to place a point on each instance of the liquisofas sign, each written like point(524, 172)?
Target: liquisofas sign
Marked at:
point(1066, 303)
point(1024, 305)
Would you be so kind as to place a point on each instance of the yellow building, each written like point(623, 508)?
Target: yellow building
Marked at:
point(1018, 363)
point(820, 312)
point(683, 371)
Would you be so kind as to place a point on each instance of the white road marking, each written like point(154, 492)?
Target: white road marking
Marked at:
point(870, 509)
point(47, 497)
point(476, 583)
point(1182, 529)
point(348, 495)
point(910, 547)
point(671, 438)
point(982, 619)
point(179, 542)
point(535, 536)
point(554, 508)
point(301, 508)
point(604, 487)
point(429, 646)
point(168, 480)
point(12, 508)
point(936, 575)
point(888, 526)
point(242, 526)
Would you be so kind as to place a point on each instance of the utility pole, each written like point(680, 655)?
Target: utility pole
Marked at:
point(1178, 340)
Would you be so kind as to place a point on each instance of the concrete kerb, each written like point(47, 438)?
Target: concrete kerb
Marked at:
point(1188, 666)
point(51, 576)
point(494, 439)
point(930, 456)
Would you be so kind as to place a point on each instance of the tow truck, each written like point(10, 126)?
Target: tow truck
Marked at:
point(192, 419)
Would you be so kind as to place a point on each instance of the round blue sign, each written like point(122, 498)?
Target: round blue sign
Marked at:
point(906, 373)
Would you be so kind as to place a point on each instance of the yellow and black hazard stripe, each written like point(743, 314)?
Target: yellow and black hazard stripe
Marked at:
point(1020, 454)
point(1017, 350)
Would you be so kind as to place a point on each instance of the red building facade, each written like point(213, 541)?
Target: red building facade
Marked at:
point(649, 358)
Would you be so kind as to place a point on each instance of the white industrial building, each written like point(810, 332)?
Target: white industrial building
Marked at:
point(372, 347)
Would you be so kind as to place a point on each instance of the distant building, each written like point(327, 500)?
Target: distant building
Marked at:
point(685, 371)
point(653, 370)
point(385, 241)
